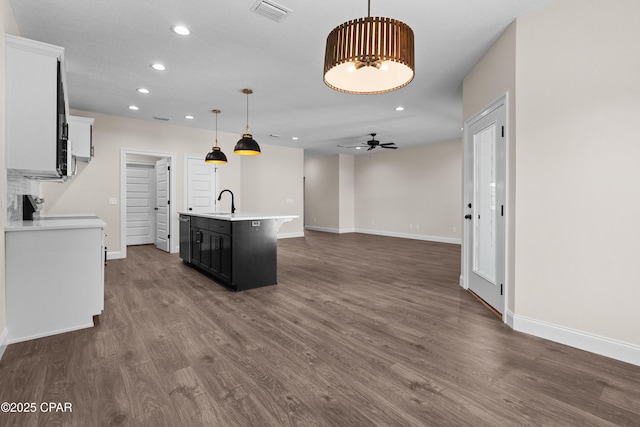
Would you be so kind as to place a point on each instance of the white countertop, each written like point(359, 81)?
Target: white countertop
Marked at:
point(57, 222)
point(240, 216)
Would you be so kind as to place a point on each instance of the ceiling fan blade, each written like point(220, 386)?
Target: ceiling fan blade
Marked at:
point(349, 146)
point(388, 143)
point(370, 148)
point(393, 148)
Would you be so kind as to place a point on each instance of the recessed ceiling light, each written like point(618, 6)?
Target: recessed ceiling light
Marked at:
point(181, 29)
point(143, 90)
point(295, 138)
point(133, 107)
point(399, 108)
point(358, 148)
point(189, 117)
point(158, 67)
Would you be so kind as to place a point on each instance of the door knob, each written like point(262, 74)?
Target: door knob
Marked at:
point(467, 216)
point(190, 209)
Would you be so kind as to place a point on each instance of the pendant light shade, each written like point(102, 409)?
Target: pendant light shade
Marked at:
point(247, 146)
point(369, 56)
point(216, 156)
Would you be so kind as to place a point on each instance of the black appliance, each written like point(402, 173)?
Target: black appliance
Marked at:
point(29, 207)
point(63, 129)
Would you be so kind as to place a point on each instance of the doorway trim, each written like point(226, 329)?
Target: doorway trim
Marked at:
point(502, 100)
point(173, 214)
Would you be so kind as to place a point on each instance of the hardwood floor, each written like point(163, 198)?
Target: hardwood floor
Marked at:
point(360, 331)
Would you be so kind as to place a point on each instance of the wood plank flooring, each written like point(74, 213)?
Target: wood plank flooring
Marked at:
point(360, 331)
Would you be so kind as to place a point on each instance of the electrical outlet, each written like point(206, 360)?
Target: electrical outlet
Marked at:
point(410, 226)
point(113, 200)
point(455, 230)
point(417, 226)
point(289, 200)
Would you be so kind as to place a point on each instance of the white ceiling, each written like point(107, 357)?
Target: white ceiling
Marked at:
point(110, 45)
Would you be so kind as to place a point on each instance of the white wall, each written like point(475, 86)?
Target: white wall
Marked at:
point(346, 192)
point(322, 193)
point(574, 198)
point(412, 192)
point(578, 167)
point(492, 77)
point(7, 25)
point(96, 182)
point(273, 183)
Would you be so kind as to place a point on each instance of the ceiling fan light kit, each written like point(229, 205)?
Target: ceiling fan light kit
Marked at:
point(369, 56)
point(247, 146)
point(372, 143)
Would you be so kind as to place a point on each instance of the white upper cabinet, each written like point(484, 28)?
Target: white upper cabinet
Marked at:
point(80, 137)
point(36, 109)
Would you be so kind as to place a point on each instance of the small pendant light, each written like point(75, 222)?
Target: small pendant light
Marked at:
point(247, 146)
point(216, 156)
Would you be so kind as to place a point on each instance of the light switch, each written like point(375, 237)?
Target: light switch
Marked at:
point(113, 200)
point(289, 200)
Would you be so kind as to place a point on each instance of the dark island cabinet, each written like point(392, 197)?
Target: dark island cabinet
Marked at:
point(238, 254)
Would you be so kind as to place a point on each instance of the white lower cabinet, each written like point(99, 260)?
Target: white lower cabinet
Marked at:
point(54, 281)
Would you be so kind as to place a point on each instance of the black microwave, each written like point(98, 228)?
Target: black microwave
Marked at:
point(63, 149)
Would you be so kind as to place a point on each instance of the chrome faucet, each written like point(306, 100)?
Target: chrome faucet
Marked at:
point(233, 207)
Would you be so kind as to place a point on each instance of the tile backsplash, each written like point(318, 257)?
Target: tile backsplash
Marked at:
point(17, 185)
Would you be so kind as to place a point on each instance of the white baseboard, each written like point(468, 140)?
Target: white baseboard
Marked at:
point(330, 230)
point(290, 235)
point(424, 237)
point(619, 350)
point(3, 343)
point(509, 319)
point(114, 255)
point(323, 229)
point(462, 284)
point(50, 333)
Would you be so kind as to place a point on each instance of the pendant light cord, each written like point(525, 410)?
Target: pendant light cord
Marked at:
point(369, 8)
point(247, 113)
point(216, 129)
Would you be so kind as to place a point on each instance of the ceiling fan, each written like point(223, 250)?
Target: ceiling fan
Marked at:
point(372, 143)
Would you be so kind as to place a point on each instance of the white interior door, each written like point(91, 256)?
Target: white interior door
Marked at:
point(162, 204)
point(141, 203)
point(201, 185)
point(485, 153)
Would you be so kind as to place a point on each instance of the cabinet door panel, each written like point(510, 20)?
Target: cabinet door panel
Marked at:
point(195, 246)
point(206, 248)
point(225, 256)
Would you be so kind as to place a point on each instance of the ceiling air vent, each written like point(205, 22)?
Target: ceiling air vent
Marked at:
point(162, 119)
point(271, 10)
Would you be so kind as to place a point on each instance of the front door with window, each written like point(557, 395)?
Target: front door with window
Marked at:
point(485, 167)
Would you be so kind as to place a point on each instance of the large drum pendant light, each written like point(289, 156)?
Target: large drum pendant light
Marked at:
point(247, 146)
point(369, 56)
point(216, 156)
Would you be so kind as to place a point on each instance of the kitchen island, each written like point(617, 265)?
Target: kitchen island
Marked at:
point(238, 250)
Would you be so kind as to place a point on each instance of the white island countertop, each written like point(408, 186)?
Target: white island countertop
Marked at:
point(240, 216)
point(57, 222)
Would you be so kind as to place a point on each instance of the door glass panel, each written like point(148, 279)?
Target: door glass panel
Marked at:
point(484, 217)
